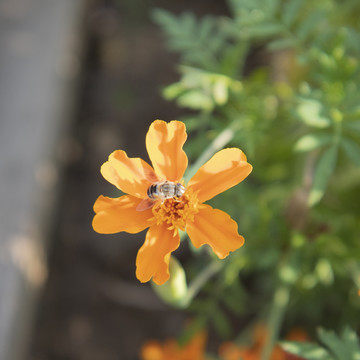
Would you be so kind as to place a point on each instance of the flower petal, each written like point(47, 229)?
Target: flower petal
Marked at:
point(119, 214)
point(152, 350)
point(224, 170)
point(131, 175)
point(164, 142)
point(153, 257)
point(215, 228)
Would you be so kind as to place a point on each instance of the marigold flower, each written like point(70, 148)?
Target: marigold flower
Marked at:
point(171, 350)
point(231, 351)
point(203, 224)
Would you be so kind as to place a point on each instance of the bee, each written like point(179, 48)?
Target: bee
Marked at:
point(160, 191)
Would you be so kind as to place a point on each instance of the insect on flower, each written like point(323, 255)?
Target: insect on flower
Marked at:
point(160, 191)
point(158, 199)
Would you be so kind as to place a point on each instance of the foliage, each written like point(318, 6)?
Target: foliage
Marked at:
point(334, 347)
point(281, 80)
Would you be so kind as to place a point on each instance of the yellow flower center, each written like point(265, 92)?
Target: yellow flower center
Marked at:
point(177, 212)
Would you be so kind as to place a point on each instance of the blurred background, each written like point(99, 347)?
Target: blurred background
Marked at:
point(78, 79)
point(82, 78)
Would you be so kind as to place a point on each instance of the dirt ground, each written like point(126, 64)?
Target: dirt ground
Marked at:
point(92, 306)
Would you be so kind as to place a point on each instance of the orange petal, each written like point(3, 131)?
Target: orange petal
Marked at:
point(215, 228)
point(116, 215)
point(164, 142)
point(224, 170)
point(153, 257)
point(195, 348)
point(152, 350)
point(230, 351)
point(131, 175)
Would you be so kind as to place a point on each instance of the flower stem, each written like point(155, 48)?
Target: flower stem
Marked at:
point(217, 144)
point(209, 271)
point(277, 311)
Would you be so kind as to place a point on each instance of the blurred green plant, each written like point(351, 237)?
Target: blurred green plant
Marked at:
point(334, 347)
point(281, 80)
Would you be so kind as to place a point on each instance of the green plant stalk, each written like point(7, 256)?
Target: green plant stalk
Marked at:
point(277, 311)
point(217, 144)
point(337, 121)
point(209, 271)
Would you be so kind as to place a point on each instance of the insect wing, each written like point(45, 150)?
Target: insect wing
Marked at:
point(150, 175)
point(145, 204)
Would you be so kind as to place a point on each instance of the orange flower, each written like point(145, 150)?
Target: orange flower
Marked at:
point(231, 351)
point(195, 348)
point(204, 224)
point(171, 350)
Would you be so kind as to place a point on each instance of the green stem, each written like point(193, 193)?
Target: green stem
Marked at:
point(337, 125)
point(217, 144)
point(209, 271)
point(279, 304)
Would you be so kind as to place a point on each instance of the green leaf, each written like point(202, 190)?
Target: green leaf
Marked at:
point(221, 91)
point(174, 291)
point(280, 44)
point(323, 172)
point(221, 322)
point(290, 11)
point(174, 90)
point(233, 297)
point(265, 30)
point(233, 59)
point(205, 27)
point(199, 41)
point(344, 348)
point(352, 150)
point(311, 113)
point(353, 125)
point(324, 271)
point(270, 7)
point(309, 24)
point(352, 343)
point(195, 327)
point(163, 17)
point(196, 100)
point(311, 142)
point(307, 351)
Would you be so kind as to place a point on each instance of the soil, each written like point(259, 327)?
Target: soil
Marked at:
point(92, 306)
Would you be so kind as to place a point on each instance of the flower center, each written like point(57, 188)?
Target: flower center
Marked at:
point(177, 212)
